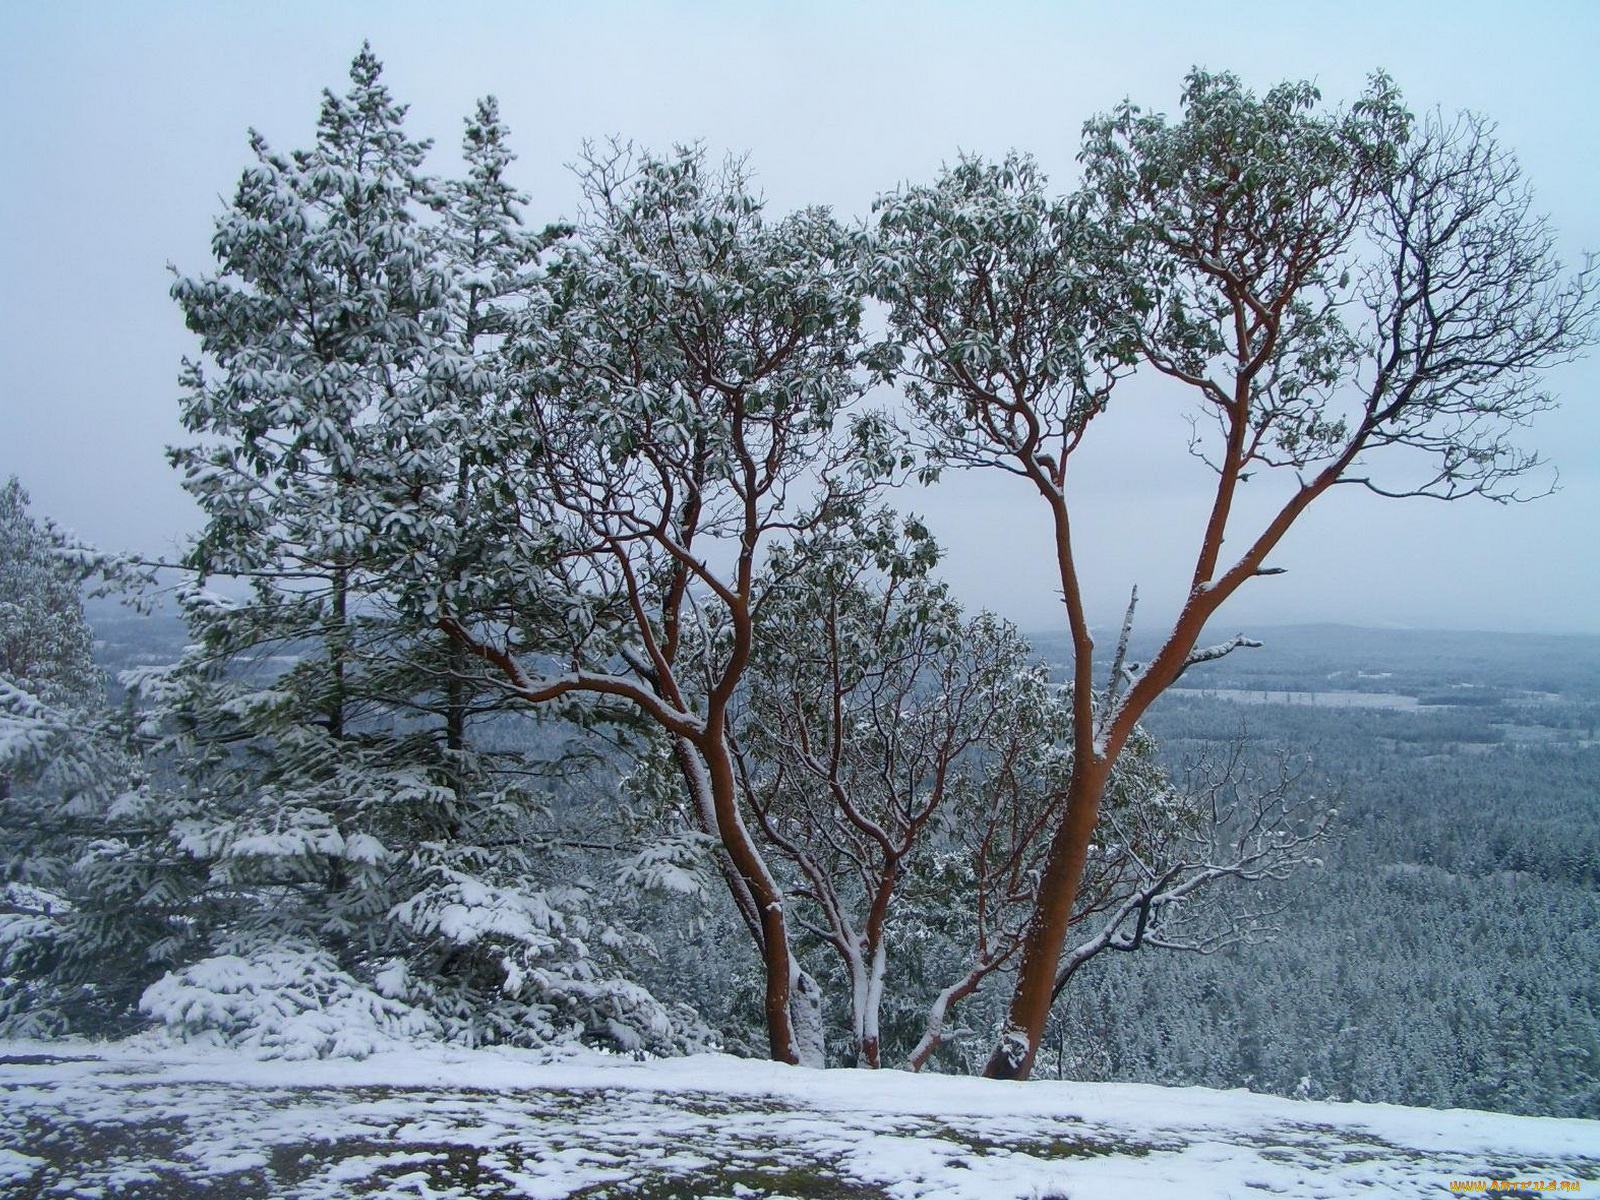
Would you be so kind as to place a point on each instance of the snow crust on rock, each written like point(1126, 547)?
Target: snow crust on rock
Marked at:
point(555, 1123)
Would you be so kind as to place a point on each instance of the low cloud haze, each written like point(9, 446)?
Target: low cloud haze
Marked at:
point(123, 130)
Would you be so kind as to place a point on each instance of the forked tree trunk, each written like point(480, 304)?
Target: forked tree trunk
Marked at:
point(866, 1003)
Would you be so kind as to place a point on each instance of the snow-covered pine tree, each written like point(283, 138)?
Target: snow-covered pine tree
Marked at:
point(494, 258)
point(365, 857)
point(422, 517)
point(47, 684)
point(81, 931)
point(46, 646)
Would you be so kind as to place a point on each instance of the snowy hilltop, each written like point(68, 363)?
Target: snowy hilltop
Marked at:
point(94, 1119)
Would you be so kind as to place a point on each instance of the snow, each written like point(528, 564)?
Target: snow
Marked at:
point(16, 1167)
point(455, 1123)
point(282, 1001)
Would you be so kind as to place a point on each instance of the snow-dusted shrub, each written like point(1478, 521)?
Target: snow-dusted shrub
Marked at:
point(531, 966)
point(31, 943)
point(282, 999)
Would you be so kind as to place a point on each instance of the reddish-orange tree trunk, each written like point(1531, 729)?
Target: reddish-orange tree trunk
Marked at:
point(1047, 929)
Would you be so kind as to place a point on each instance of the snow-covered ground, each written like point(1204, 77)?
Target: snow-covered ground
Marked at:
point(93, 1120)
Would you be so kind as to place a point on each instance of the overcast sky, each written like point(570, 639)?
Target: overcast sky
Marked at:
point(123, 128)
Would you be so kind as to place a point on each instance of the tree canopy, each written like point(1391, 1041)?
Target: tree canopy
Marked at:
point(1346, 297)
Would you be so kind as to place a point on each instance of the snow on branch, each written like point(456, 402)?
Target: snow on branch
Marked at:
point(1205, 654)
point(1118, 677)
point(538, 689)
point(1229, 826)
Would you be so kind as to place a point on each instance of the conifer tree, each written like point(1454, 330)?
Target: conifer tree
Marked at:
point(51, 692)
point(366, 851)
point(78, 938)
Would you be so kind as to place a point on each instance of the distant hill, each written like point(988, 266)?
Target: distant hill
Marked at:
point(1409, 661)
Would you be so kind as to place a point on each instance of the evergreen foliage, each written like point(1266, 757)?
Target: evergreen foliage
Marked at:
point(74, 952)
point(352, 829)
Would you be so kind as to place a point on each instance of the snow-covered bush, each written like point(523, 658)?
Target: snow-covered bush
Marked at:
point(282, 999)
point(32, 933)
point(534, 966)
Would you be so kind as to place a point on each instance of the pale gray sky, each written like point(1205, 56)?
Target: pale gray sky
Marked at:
point(123, 126)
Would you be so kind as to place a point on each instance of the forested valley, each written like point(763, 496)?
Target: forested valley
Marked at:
point(1442, 952)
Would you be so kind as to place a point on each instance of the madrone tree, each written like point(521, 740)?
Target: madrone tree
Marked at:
point(904, 763)
point(1356, 297)
point(672, 419)
point(883, 740)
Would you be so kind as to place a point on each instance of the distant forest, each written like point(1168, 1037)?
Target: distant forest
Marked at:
point(1445, 954)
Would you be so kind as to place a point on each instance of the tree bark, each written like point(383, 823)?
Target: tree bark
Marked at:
point(776, 959)
point(1047, 928)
